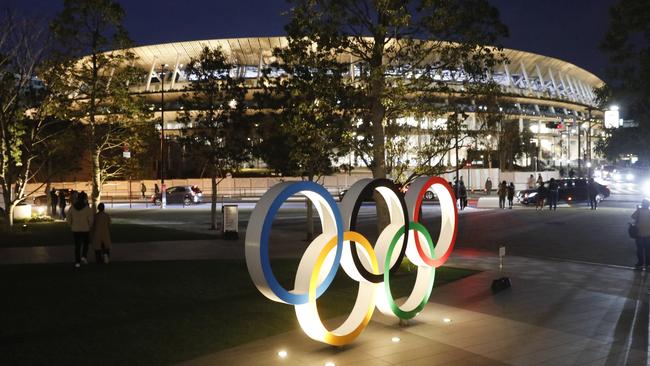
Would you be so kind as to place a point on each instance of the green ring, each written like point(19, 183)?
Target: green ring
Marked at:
point(389, 296)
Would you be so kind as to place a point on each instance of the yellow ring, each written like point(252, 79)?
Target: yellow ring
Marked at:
point(329, 337)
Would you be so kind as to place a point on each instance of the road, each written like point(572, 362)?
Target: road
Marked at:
point(570, 233)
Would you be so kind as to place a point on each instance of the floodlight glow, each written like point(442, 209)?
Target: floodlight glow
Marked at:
point(395, 339)
point(330, 364)
point(282, 354)
point(646, 189)
point(446, 320)
point(341, 245)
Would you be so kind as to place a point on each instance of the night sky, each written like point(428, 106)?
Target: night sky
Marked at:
point(567, 29)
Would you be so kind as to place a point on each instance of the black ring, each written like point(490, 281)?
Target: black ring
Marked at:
point(367, 275)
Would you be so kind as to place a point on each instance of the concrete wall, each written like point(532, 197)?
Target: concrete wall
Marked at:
point(521, 178)
point(254, 187)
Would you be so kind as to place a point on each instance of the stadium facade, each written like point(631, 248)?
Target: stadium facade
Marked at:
point(552, 98)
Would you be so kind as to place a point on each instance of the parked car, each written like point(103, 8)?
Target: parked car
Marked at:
point(186, 195)
point(569, 190)
point(368, 196)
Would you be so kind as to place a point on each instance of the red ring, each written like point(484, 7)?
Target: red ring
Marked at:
point(416, 217)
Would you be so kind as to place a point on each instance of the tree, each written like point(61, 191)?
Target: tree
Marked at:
point(91, 36)
point(627, 45)
point(311, 116)
point(395, 70)
point(215, 108)
point(28, 107)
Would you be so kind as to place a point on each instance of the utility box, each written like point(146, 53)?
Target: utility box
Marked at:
point(230, 222)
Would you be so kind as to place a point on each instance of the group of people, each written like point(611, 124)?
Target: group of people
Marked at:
point(461, 191)
point(59, 201)
point(504, 191)
point(87, 226)
point(550, 193)
point(143, 189)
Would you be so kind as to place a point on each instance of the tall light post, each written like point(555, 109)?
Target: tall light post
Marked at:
point(163, 192)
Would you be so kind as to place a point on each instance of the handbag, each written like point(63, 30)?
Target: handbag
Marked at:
point(633, 231)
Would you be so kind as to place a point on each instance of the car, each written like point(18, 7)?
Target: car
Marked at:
point(569, 190)
point(605, 172)
point(368, 195)
point(186, 195)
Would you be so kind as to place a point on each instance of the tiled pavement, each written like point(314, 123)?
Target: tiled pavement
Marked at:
point(557, 313)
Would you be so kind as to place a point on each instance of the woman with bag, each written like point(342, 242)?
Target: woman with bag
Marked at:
point(80, 220)
point(641, 219)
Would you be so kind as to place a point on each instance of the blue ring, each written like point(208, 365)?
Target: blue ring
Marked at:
point(274, 285)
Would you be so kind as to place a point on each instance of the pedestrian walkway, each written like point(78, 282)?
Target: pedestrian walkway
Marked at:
point(557, 313)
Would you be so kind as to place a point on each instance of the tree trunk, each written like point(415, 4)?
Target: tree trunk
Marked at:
point(10, 213)
point(213, 207)
point(48, 187)
point(377, 114)
point(96, 179)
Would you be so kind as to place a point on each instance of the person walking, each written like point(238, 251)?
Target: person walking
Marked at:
point(502, 192)
point(143, 189)
point(156, 189)
point(553, 194)
point(101, 238)
point(462, 191)
point(592, 191)
point(541, 196)
point(80, 220)
point(62, 204)
point(572, 173)
point(641, 219)
point(488, 186)
point(511, 194)
point(531, 182)
point(54, 201)
point(540, 180)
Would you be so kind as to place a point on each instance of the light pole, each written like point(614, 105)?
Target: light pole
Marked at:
point(163, 192)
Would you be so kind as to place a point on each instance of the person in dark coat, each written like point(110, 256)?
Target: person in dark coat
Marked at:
point(553, 194)
point(541, 196)
point(502, 192)
point(511, 194)
point(592, 191)
point(62, 204)
point(488, 186)
point(641, 219)
point(143, 189)
point(54, 201)
point(462, 195)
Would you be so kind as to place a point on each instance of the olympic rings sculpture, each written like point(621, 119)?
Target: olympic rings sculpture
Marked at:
point(339, 245)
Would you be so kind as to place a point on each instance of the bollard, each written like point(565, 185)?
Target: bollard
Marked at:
point(503, 282)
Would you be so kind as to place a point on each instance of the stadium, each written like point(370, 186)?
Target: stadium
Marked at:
point(551, 98)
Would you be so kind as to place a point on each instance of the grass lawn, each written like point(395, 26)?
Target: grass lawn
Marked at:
point(58, 233)
point(152, 312)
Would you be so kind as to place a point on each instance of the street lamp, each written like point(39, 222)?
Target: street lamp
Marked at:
point(163, 192)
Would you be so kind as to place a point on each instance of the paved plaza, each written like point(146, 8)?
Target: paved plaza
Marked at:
point(575, 299)
point(556, 313)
